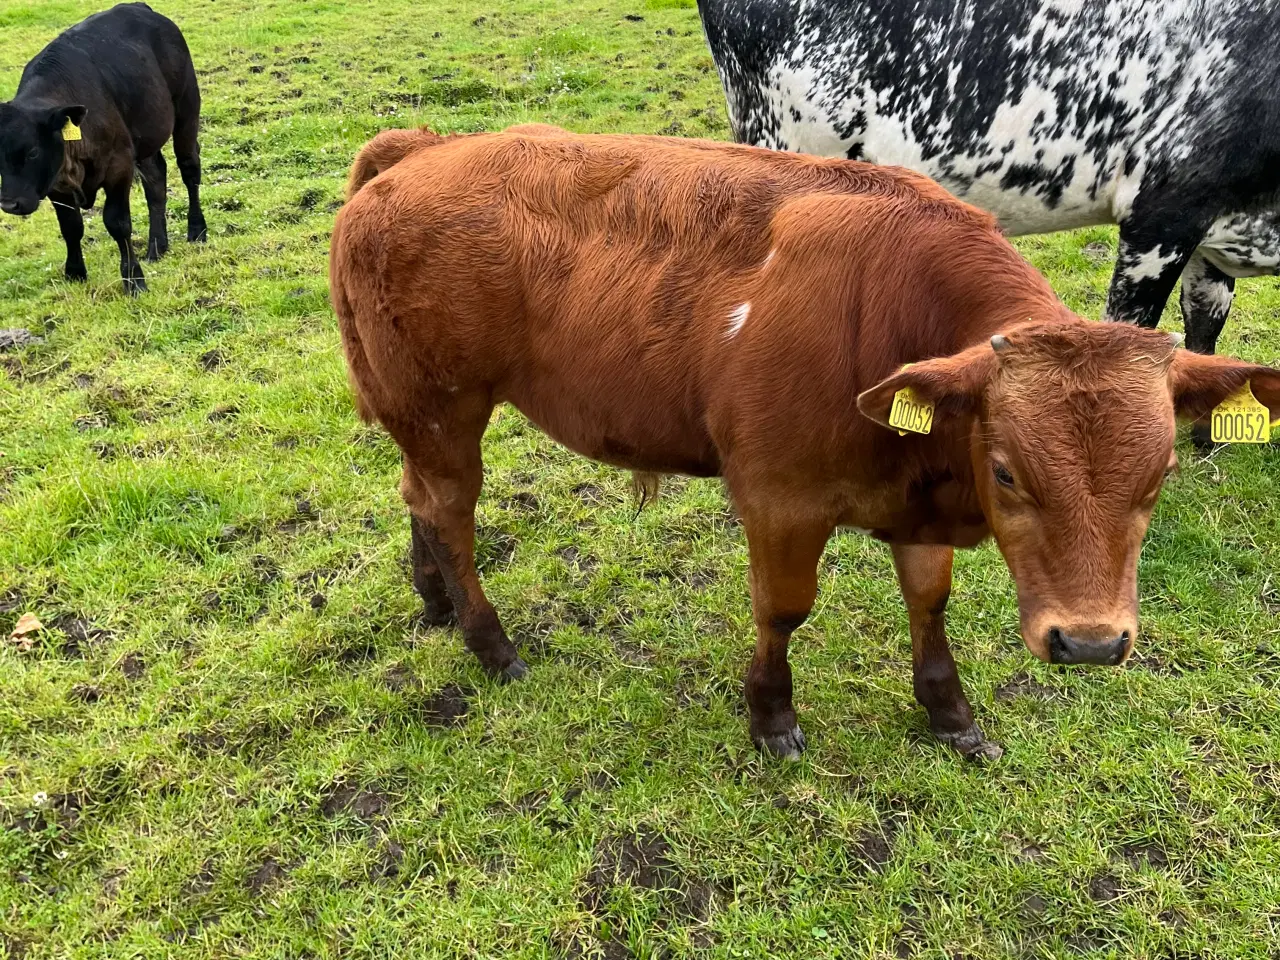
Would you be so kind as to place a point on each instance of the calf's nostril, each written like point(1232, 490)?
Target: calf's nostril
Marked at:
point(1059, 649)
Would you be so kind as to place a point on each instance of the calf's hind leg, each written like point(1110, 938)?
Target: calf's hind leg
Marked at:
point(441, 484)
point(155, 184)
point(924, 573)
point(427, 578)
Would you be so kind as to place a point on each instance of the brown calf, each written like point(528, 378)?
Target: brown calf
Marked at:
point(674, 306)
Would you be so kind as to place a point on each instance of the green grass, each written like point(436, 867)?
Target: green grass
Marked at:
point(215, 763)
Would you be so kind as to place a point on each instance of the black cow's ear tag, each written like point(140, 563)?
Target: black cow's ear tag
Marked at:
point(70, 131)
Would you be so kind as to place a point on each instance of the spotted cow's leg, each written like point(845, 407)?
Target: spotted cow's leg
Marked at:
point(785, 543)
point(924, 573)
point(1206, 301)
point(1147, 267)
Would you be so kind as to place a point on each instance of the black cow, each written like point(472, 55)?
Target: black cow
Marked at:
point(1160, 115)
point(123, 78)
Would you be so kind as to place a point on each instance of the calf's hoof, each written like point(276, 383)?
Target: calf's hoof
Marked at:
point(135, 286)
point(157, 249)
point(514, 670)
point(788, 744)
point(198, 233)
point(971, 743)
point(76, 275)
point(503, 665)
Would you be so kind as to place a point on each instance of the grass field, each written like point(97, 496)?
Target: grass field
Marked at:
point(234, 738)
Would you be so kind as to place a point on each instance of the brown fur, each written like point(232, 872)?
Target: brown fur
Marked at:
point(596, 283)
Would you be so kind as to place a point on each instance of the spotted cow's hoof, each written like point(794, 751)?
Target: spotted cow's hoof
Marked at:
point(788, 745)
point(972, 744)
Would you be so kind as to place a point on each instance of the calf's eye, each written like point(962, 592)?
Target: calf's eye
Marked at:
point(35, 152)
point(1002, 475)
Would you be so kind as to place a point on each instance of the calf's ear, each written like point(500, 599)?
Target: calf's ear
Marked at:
point(953, 385)
point(58, 117)
point(1199, 383)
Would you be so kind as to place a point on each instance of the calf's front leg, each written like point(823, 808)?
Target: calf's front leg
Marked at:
point(784, 584)
point(924, 573)
point(115, 215)
point(71, 223)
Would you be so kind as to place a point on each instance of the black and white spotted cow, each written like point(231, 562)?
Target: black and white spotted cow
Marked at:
point(1160, 115)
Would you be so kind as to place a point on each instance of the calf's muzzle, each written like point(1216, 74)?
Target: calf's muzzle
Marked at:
point(1094, 645)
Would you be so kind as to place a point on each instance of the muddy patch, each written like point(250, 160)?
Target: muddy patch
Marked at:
point(589, 493)
point(1145, 854)
point(79, 633)
point(86, 693)
point(874, 846)
point(642, 859)
point(304, 514)
point(268, 875)
point(387, 866)
point(522, 500)
point(576, 560)
point(352, 800)
point(1104, 888)
point(133, 666)
point(446, 708)
point(1023, 685)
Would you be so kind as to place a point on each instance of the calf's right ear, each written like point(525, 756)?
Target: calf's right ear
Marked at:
point(953, 385)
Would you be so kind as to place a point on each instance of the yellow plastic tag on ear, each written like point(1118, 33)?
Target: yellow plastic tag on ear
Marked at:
point(70, 131)
point(1241, 419)
point(910, 413)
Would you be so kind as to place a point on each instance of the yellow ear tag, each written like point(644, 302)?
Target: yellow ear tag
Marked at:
point(1241, 419)
point(910, 413)
point(70, 131)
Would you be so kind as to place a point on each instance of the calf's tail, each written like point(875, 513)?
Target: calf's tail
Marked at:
point(385, 151)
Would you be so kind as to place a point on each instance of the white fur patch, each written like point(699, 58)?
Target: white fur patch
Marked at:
point(737, 317)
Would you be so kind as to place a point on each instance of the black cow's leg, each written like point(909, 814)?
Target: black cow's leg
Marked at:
point(924, 573)
point(115, 214)
point(785, 546)
point(1147, 267)
point(186, 150)
point(1206, 300)
point(427, 578)
point(155, 185)
point(72, 225)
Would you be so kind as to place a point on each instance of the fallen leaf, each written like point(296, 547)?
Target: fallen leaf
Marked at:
point(24, 631)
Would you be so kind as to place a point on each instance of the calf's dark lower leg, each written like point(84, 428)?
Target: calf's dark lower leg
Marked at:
point(155, 185)
point(71, 223)
point(924, 573)
point(427, 579)
point(115, 215)
point(784, 585)
point(443, 501)
point(186, 151)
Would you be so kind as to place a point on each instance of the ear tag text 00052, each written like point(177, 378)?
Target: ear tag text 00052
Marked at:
point(70, 131)
point(910, 413)
point(1241, 419)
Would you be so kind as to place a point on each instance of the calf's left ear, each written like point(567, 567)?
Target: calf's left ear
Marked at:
point(953, 385)
point(59, 116)
point(1199, 383)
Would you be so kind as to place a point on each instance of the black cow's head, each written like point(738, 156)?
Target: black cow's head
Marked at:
point(31, 153)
